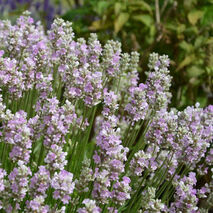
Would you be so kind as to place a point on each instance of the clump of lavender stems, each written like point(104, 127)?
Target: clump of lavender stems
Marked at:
point(80, 133)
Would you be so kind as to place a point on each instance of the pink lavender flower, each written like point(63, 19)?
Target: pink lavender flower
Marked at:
point(63, 184)
point(86, 177)
point(56, 158)
point(163, 130)
point(111, 58)
point(128, 77)
point(137, 106)
point(90, 207)
point(10, 77)
point(121, 191)
point(2, 182)
point(185, 195)
point(192, 134)
point(40, 182)
point(18, 133)
point(109, 159)
point(19, 181)
point(37, 205)
point(158, 82)
point(149, 203)
point(143, 160)
point(55, 121)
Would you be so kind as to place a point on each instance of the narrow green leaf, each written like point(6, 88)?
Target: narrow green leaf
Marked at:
point(208, 15)
point(144, 18)
point(186, 46)
point(140, 5)
point(199, 41)
point(117, 8)
point(102, 6)
point(120, 21)
point(210, 41)
point(194, 16)
point(187, 60)
point(194, 71)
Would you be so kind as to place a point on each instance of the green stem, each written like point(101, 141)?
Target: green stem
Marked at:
point(137, 192)
point(40, 159)
point(167, 184)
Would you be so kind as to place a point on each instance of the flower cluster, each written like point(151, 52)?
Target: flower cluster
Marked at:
point(90, 206)
point(110, 159)
point(17, 133)
point(18, 181)
point(40, 182)
point(63, 184)
point(185, 195)
point(158, 81)
point(149, 203)
point(142, 161)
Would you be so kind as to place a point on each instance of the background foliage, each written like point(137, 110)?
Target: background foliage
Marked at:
point(181, 29)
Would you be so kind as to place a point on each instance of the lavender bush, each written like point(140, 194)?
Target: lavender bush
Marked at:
point(79, 133)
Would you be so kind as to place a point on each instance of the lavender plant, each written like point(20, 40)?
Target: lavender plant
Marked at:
point(80, 133)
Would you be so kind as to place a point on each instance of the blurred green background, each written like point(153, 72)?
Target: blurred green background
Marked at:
point(182, 29)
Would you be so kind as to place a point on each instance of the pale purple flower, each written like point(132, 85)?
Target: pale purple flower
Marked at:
point(37, 205)
point(40, 182)
point(90, 206)
point(19, 181)
point(2, 175)
point(63, 184)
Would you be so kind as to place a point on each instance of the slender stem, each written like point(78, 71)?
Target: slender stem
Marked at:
point(165, 3)
point(126, 134)
point(5, 151)
point(69, 3)
point(166, 184)
point(157, 13)
point(40, 159)
point(137, 192)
